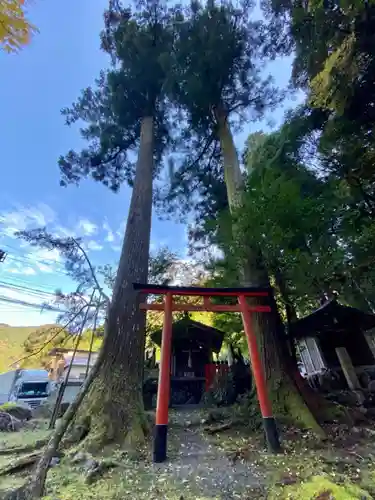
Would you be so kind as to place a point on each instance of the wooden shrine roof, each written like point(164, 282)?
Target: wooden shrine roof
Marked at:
point(332, 318)
point(186, 330)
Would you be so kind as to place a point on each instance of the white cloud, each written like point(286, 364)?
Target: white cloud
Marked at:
point(46, 261)
point(116, 248)
point(110, 236)
point(94, 246)
point(27, 271)
point(45, 254)
point(64, 232)
point(27, 259)
point(87, 227)
point(45, 268)
point(22, 218)
point(17, 267)
point(121, 230)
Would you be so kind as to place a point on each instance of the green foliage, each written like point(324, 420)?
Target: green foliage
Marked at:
point(218, 63)
point(334, 62)
point(39, 339)
point(320, 487)
point(292, 213)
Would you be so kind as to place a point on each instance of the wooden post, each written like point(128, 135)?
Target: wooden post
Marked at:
point(269, 423)
point(161, 427)
point(348, 368)
point(370, 339)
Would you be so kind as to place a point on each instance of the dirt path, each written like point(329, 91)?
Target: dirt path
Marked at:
point(204, 469)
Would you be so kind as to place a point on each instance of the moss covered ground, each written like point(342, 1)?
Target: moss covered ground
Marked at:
point(229, 465)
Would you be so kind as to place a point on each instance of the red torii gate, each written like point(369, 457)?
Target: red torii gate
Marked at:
point(168, 306)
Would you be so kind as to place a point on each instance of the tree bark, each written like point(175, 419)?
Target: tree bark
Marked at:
point(114, 405)
point(272, 343)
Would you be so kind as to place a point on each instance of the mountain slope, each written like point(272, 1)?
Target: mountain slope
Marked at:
point(12, 339)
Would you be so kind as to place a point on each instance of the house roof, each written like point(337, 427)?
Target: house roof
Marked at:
point(64, 350)
point(332, 317)
point(78, 361)
point(186, 330)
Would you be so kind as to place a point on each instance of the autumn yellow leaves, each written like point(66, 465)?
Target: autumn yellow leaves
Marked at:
point(15, 29)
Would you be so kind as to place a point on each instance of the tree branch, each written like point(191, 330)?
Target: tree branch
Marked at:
point(66, 379)
point(100, 289)
point(202, 153)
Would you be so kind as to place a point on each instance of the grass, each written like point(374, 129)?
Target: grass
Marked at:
point(321, 487)
point(342, 468)
point(24, 437)
point(128, 480)
point(13, 440)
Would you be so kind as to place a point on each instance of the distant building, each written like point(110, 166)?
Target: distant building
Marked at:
point(59, 365)
point(61, 359)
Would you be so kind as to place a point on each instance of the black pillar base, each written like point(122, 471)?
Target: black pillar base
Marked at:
point(272, 434)
point(160, 443)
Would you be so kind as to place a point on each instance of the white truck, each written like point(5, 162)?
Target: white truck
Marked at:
point(28, 387)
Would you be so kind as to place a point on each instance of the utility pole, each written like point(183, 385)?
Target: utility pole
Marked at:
point(2, 255)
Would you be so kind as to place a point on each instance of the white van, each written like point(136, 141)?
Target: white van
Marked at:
point(28, 387)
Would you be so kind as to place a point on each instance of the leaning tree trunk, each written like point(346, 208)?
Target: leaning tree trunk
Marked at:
point(286, 397)
point(35, 487)
point(113, 407)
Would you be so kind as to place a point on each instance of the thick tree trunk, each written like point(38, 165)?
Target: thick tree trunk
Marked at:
point(114, 404)
point(285, 395)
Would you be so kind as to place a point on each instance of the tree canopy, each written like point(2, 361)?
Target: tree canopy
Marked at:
point(15, 28)
point(139, 43)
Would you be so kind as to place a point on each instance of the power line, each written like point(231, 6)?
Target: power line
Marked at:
point(28, 291)
point(29, 258)
point(5, 299)
point(52, 288)
point(4, 284)
point(12, 311)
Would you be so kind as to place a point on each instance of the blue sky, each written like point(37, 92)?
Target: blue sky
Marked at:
point(35, 84)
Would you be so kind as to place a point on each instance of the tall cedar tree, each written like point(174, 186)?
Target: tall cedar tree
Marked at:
point(219, 58)
point(125, 113)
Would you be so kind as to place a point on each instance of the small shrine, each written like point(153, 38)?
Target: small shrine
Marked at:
point(193, 346)
point(339, 340)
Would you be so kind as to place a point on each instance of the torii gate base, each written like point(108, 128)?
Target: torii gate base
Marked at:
point(161, 427)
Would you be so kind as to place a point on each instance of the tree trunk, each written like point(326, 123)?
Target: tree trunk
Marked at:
point(35, 488)
point(281, 283)
point(285, 395)
point(114, 404)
